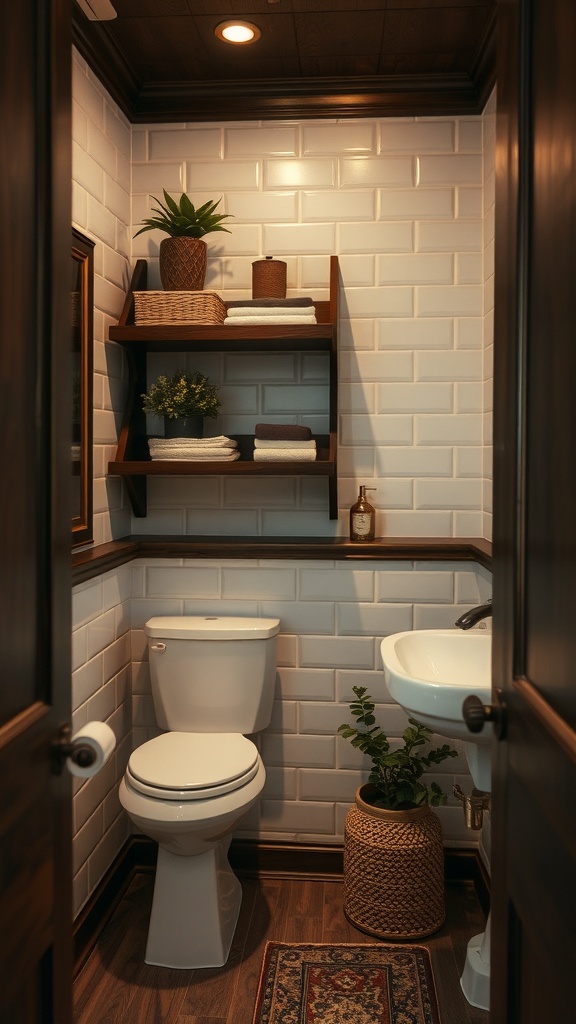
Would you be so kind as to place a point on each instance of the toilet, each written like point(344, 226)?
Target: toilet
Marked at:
point(188, 788)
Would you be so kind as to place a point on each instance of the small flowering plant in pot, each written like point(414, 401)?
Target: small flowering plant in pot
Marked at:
point(394, 781)
point(184, 400)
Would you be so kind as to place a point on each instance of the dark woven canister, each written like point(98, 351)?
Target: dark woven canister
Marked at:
point(268, 279)
point(393, 871)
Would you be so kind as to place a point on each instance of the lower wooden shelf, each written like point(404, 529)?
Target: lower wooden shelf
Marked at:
point(137, 470)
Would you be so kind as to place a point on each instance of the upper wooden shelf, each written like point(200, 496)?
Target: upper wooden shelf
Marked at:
point(196, 337)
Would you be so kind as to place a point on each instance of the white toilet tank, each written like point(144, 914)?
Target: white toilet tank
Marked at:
point(212, 673)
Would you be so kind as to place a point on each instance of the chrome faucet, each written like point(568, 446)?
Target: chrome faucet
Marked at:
point(470, 618)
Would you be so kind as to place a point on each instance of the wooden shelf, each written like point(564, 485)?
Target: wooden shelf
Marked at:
point(132, 460)
point(183, 338)
point(92, 562)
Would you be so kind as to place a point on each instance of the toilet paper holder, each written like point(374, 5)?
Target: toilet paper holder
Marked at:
point(80, 753)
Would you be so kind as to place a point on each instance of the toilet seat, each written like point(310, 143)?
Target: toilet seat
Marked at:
point(186, 766)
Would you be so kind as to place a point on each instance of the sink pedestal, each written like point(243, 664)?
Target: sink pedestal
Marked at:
point(430, 673)
point(475, 980)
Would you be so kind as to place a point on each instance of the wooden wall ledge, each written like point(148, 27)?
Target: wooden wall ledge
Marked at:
point(94, 561)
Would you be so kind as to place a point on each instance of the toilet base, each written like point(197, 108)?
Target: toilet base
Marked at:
point(194, 911)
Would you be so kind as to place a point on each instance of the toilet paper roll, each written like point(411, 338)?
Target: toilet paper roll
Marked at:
point(96, 737)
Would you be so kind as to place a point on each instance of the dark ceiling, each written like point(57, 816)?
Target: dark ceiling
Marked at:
point(161, 61)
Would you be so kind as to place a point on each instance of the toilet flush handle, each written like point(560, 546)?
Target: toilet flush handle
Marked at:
point(158, 647)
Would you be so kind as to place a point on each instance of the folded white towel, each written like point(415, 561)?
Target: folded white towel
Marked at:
point(283, 311)
point(218, 455)
point(197, 442)
point(284, 444)
point(208, 452)
point(284, 455)
point(238, 320)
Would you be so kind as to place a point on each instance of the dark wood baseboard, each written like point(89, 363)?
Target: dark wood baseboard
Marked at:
point(249, 858)
point(137, 855)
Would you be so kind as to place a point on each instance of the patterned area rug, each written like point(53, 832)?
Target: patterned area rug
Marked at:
point(346, 984)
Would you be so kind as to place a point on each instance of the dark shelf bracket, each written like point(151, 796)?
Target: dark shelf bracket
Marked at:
point(137, 492)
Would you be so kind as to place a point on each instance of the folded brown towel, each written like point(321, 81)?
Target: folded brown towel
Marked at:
point(270, 302)
point(282, 432)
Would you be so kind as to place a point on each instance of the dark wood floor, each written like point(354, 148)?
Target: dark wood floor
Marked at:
point(115, 986)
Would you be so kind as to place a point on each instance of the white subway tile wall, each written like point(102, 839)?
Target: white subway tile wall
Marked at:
point(332, 618)
point(102, 691)
point(489, 122)
point(408, 206)
point(101, 210)
point(400, 202)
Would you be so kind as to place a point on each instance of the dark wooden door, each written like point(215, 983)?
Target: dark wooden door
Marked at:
point(35, 804)
point(534, 790)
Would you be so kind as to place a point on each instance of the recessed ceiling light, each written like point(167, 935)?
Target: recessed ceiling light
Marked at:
point(237, 32)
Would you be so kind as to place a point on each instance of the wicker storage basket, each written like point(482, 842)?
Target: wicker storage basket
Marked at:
point(178, 308)
point(394, 872)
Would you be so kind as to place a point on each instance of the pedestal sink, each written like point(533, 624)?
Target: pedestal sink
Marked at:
point(429, 673)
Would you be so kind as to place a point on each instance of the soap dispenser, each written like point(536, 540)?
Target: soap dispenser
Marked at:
point(362, 517)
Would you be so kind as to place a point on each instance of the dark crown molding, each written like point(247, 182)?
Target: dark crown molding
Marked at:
point(273, 99)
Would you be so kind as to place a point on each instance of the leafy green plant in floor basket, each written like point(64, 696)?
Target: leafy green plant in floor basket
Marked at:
point(395, 775)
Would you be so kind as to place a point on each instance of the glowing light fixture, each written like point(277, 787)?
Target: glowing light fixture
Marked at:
point(239, 32)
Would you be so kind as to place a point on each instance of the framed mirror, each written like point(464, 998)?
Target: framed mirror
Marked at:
point(82, 331)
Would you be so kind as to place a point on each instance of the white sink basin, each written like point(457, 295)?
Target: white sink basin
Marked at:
point(430, 672)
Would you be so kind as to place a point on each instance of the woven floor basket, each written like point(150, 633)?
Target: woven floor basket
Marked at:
point(178, 308)
point(394, 874)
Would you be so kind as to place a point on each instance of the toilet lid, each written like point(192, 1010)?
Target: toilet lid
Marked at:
point(193, 766)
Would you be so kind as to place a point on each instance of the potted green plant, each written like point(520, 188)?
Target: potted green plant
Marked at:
point(393, 851)
point(184, 400)
point(183, 254)
point(394, 780)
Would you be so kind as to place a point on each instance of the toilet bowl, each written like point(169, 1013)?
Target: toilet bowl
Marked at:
point(188, 790)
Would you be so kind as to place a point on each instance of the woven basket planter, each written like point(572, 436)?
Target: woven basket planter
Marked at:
point(183, 263)
point(393, 871)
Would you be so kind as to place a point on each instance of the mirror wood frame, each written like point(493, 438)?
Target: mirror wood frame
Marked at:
point(82, 342)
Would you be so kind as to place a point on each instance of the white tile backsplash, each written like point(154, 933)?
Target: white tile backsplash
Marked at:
point(276, 141)
point(338, 138)
point(379, 237)
point(450, 170)
point(417, 136)
point(309, 173)
point(177, 144)
point(362, 171)
point(415, 269)
point(436, 334)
